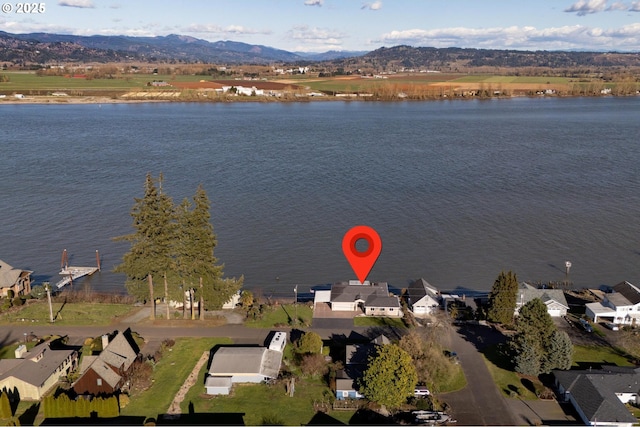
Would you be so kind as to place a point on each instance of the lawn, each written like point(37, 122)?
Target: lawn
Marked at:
point(587, 356)
point(283, 315)
point(262, 404)
point(169, 374)
point(507, 381)
point(67, 313)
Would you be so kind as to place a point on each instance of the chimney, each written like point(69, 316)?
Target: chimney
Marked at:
point(20, 351)
point(105, 341)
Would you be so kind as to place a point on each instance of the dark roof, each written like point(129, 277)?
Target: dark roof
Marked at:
point(9, 275)
point(419, 288)
point(527, 293)
point(595, 391)
point(629, 291)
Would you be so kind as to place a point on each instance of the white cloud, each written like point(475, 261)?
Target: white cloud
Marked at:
point(521, 38)
point(313, 2)
point(82, 4)
point(586, 7)
point(635, 6)
point(313, 39)
point(376, 5)
point(619, 6)
point(216, 29)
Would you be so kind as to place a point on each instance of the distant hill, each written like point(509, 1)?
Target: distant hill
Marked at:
point(452, 58)
point(42, 48)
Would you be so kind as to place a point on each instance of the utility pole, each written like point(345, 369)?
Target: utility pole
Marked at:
point(47, 287)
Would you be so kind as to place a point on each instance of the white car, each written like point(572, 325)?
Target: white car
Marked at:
point(421, 391)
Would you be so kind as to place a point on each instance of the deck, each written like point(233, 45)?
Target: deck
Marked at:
point(73, 273)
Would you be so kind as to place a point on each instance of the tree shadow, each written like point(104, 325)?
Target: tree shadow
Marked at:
point(28, 417)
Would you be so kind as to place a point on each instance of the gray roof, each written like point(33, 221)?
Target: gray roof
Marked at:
point(217, 382)
point(119, 352)
point(629, 291)
point(106, 372)
point(527, 293)
point(375, 294)
point(418, 289)
point(9, 275)
point(229, 361)
point(595, 391)
point(37, 365)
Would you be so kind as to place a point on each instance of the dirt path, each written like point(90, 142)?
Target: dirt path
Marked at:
point(174, 408)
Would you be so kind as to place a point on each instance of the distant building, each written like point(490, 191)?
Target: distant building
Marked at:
point(621, 306)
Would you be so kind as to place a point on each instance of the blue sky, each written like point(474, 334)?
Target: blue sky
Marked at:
point(321, 25)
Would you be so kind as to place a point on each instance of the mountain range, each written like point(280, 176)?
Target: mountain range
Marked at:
point(42, 48)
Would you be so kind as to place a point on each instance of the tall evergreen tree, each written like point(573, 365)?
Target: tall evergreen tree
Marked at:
point(502, 298)
point(558, 352)
point(151, 243)
point(195, 259)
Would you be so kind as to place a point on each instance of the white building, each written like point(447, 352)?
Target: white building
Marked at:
point(622, 306)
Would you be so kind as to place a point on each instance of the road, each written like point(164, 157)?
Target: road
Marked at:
point(480, 403)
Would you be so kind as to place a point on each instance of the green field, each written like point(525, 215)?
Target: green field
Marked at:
point(600, 355)
point(283, 315)
point(67, 313)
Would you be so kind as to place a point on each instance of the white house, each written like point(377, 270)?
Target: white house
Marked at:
point(422, 298)
point(598, 396)
point(373, 299)
point(554, 299)
point(621, 306)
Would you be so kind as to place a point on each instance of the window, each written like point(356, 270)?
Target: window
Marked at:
point(99, 381)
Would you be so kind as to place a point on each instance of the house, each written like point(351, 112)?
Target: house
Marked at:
point(554, 299)
point(14, 279)
point(621, 306)
point(231, 365)
point(355, 363)
point(373, 299)
point(106, 372)
point(598, 396)
point(37, 371)
point(422, 298)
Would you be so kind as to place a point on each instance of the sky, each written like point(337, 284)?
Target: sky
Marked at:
point(351, 25)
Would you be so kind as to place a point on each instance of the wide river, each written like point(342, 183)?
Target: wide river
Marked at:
point(457, 190)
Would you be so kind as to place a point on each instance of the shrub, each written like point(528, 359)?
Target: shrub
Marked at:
point(17, 301)
point(314, 364)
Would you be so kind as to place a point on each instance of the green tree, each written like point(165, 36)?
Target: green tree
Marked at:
point(195, 254)
point(502, 298)
point(538, 347)
point(558, 352)
point(310, 343)
point(149, 257)
point(390, 378)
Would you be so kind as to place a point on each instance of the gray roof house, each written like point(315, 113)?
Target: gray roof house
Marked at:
point(554, 299)
point(373, 299)
point(599, 395)
point(232, 365)
point(37, 371)
point(621, 306)
point(422, 298)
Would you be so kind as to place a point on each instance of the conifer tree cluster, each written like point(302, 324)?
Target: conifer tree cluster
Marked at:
point(538, 347)
point(172, 251)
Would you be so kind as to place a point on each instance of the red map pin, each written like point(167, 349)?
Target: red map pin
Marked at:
point(361, 262)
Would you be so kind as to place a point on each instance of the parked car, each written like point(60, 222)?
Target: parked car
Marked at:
point(611, 325)
point(421, 391)
point(585, 324)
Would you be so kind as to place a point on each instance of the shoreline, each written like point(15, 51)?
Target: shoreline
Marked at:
point(96, 100)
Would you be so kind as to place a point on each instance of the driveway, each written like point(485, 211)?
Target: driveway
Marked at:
point(480, 402)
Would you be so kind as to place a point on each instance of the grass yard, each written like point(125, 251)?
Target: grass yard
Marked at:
point(587, 356)
point(283, 315)
point(507, 381)
point(391, 322)
point(67, 313)
point(169, 375)
point(262, 404)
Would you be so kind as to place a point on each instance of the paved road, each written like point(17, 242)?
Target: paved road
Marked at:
point(480, 403)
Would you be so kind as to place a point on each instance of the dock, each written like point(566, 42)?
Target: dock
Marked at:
point(74, 273)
